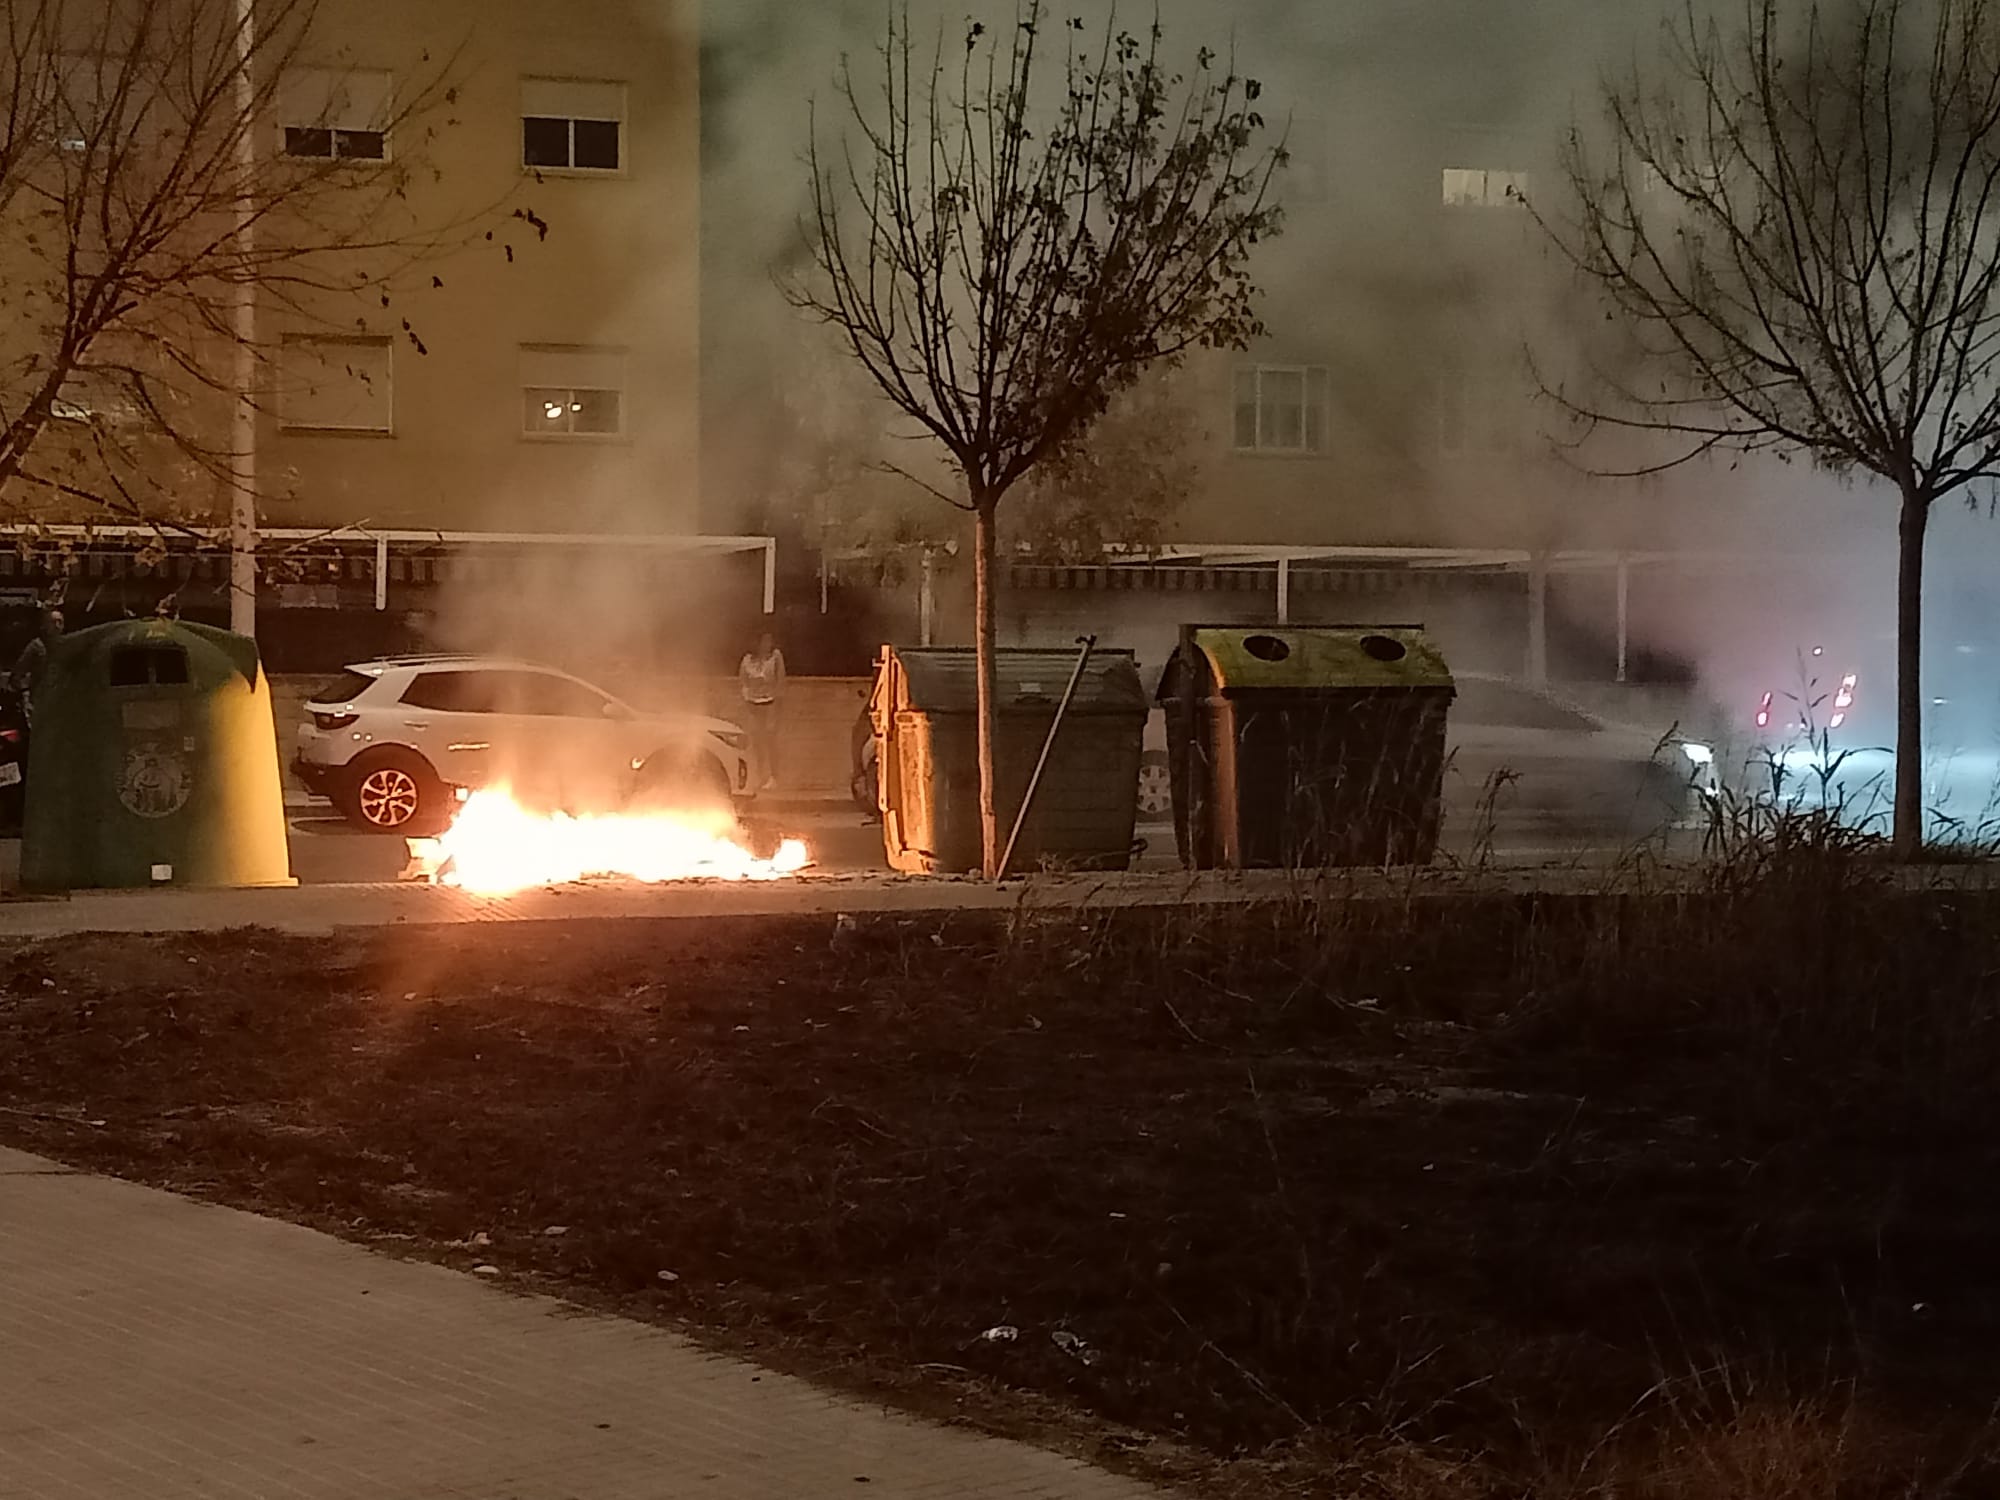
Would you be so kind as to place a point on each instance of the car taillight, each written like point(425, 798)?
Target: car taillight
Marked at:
point(335, 720)
point(1764, 712)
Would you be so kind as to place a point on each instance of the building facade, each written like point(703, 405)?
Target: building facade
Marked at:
point(482, 404)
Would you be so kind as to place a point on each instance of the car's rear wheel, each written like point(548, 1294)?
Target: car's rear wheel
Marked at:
point(393, 791)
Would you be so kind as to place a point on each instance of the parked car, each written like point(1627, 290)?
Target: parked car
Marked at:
point(391, 742)
point(1562, 765)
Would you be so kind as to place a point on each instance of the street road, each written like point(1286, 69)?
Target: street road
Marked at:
point(328, 851)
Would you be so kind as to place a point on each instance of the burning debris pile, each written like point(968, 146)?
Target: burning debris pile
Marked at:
point(496, 847)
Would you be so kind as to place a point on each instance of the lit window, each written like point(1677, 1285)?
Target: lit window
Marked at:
point(336, 385)
point(572, 392)
point(329, 116)
point(1281, 409)
point(1483, 187)
point(568, 125)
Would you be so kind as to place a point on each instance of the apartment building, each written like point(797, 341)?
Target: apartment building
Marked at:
point(509, 409)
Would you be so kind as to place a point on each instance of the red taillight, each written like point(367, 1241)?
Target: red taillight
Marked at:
point(10, 736)
point(338, 720)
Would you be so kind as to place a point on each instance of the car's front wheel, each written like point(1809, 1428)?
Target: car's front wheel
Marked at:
point(677, 782)
point(393, 791)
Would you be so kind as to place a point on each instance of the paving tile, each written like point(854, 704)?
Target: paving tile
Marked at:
point(156, 1348)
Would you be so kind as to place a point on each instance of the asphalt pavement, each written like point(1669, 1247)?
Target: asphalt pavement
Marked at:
point(327, 850)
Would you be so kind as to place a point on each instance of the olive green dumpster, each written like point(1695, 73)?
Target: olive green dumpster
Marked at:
point(924, 709)
point(154, 761)
point(1305, 747)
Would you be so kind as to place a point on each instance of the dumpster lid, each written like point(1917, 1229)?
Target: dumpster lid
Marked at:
point(945, 679)
point(1252, 658)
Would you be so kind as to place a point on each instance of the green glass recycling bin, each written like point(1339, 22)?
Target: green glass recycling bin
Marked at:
point(153, 761)
point(1306, 747)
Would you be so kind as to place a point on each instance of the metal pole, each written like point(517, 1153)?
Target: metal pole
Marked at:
point(926, 601)
point(1538, 621)
point(1284, 590)
point(243, 471)
point(381, 572)
point(1089, 644)
point(770, 575)
point(1624, 613)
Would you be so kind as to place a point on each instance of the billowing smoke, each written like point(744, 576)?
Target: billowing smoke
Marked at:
point(1424, 320)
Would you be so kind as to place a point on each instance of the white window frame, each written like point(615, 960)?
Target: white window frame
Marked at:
point(598, 100)
point(353, 101)
point(1483, 187)
point(290, 420)
point(1313, 401)
point(564, 371)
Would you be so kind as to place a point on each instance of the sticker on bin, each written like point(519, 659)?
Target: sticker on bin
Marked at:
point(10, 774)
point(162, 874)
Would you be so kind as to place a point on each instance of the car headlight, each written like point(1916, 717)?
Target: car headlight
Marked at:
point(735, 739)
point(1697, 753)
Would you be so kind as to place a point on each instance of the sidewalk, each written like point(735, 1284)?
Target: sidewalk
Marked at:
point(153, 1348)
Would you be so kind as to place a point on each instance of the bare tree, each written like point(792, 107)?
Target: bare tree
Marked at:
point(1798, 219)
point(159, 161)
point(1003, 250)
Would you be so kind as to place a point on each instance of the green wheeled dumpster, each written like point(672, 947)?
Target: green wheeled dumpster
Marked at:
point(1306, 747)
point(154, 761)
point(924, 709)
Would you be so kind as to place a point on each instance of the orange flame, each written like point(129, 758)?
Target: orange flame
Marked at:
point(496, 847)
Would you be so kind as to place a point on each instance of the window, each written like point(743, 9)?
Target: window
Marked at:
point(568, 391)
point(570, 125)
point(1481, 408)
point(343, 689)
point(335, 385)
point(1281, 409)
point(332, 116)
point(452, 692)
point(547, 696)
point(1483, 187)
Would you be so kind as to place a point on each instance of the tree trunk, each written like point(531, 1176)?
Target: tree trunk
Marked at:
point(982, 648)
point(1908, 834)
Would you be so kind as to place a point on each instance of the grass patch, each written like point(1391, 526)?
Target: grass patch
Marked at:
point(1643, 1193)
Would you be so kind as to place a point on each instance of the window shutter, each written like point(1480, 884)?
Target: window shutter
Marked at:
point(571, 99)
point(551, 367)
point(354, 99)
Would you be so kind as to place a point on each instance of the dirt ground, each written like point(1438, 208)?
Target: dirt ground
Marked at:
point(1482, 1197)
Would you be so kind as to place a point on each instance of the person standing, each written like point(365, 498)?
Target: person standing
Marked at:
point(32, 665)
point(761, 678)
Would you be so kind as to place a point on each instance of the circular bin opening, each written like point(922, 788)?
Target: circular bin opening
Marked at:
point(1384, 648)
point(1266, 647)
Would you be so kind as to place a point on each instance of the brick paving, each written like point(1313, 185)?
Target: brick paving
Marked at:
point(153, 1348)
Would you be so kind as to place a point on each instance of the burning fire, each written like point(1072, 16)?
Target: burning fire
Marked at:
point(496, 847)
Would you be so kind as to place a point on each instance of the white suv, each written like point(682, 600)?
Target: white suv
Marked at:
point(390, 742)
